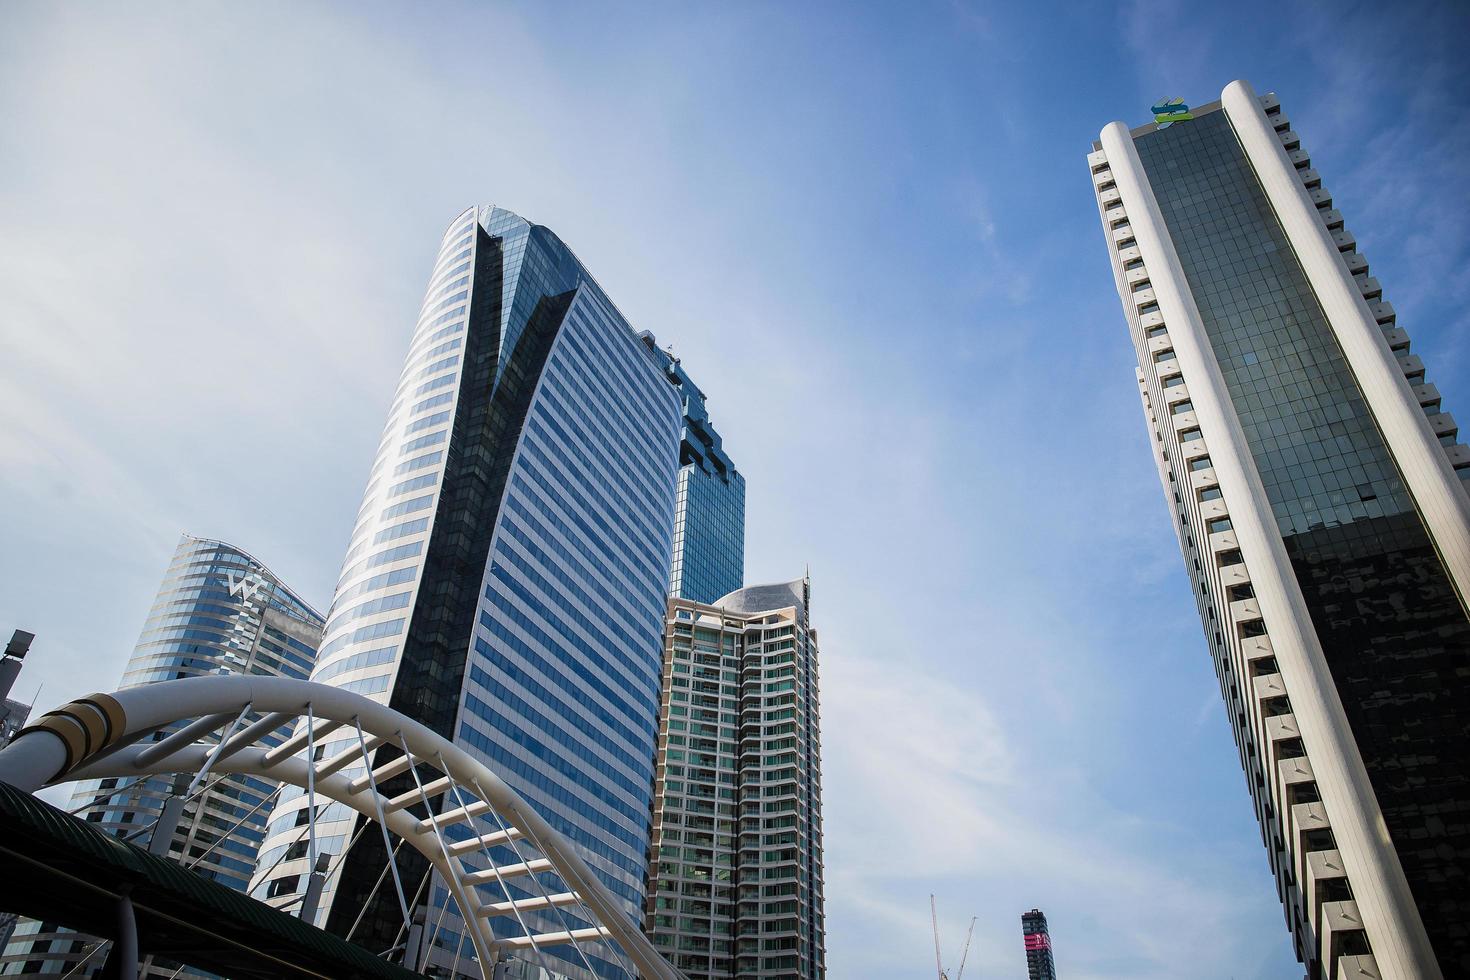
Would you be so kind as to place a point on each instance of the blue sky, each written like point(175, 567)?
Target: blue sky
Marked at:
point(869, 232)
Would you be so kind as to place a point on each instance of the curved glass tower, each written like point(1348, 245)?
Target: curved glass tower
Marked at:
point(505, 580)
point(218, 611)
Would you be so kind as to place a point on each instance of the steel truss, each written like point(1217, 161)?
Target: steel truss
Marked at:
point(114, 735)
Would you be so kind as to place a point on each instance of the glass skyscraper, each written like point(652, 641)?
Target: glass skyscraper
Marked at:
point(709, 513)
point(1037, 939)
point(1316, 481)
point(736, 883)
point(218, 611)
point(506, 578)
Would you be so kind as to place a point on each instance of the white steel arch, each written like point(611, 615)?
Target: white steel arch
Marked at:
point(108, 735)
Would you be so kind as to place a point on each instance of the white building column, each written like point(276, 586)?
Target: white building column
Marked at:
point(1427, 473)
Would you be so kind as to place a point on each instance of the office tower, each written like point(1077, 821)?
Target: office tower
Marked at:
point(709, 512)
point(506, 578)
point(1039, 964)
point(13, 714)
point(218, 611)
point(1316, 482)
point(735, 885)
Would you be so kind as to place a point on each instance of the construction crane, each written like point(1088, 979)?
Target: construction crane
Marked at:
point(964, 955)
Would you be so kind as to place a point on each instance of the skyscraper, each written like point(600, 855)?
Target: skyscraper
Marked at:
point(736, 877)
point(506, 578)
point(1037, 940)
point(1316, 482)
point(709, 512)
point(218, 611)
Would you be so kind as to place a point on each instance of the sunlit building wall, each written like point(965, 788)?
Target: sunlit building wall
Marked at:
point(736, 882)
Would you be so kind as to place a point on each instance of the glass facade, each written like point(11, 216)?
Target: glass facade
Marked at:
point(505, 581)
point(1394, 632)
point(709, 514)
point(709, 534)
point(218, 611)
point(736, 884)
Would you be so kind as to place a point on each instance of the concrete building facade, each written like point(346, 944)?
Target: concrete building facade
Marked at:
point(735, 886)
point(1315, 479)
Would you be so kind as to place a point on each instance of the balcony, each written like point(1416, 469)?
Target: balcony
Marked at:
point(1398, 340)
point(1310, 178)
point(1356, 263)
point(1370, 288)
point(1289, 140)
point(1199, 479)
point(1361, 966)
point(1383, 311)
point(1341, 936)
point(1324, 872)
point(1331, 217)
point(1443, 424)
point(1236, 574)
point(1300, 158)
point(1280, 728)
point(1344, 240)
point(1223, 541)
point(1321, 197)
point(1245, 610)
point(1255, 647)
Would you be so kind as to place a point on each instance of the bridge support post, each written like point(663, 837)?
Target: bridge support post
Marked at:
point(122, 959)
point(168, 820)
point(314, 886)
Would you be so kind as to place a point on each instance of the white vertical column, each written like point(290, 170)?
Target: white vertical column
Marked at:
point(1431, 480)
point(1384, 901)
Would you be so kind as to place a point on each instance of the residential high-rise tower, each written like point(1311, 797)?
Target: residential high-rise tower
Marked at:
point(736, 870)
point(709, 512)
point(1314, 479)
point(1037, 940)
point(506, 578)
point(218, 611)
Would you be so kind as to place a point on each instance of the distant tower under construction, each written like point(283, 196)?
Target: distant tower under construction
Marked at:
point(1039, 965)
